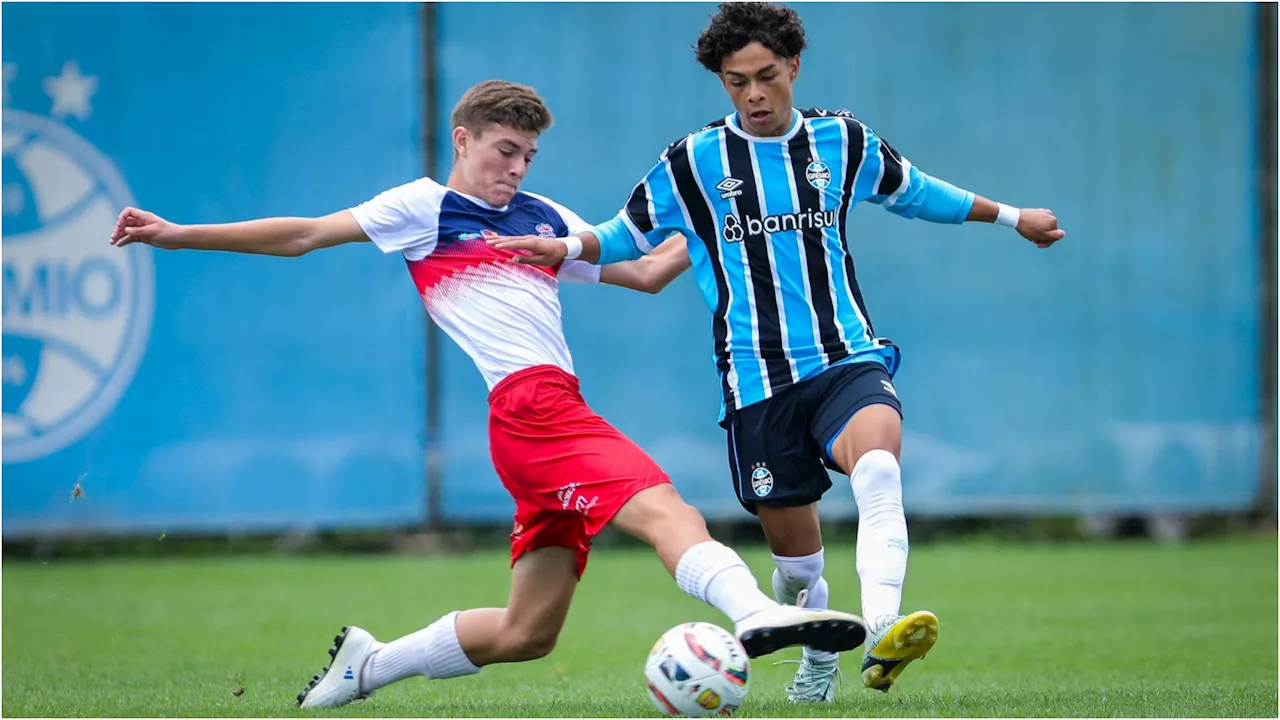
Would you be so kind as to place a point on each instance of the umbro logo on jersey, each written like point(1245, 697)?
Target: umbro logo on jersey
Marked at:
point(728, 188)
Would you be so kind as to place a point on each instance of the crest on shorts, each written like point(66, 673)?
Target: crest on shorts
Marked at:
point(761, 480)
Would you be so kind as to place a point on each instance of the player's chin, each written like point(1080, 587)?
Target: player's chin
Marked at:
point(502, 194)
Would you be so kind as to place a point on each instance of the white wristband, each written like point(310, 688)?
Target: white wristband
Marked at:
point(573, 244)
point(1008, 216)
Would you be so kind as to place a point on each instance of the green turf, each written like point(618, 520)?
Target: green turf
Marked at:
point(1074, 630)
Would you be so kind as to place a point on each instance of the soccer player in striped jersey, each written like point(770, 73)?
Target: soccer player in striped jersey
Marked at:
point(569, 471)
point(763, 196)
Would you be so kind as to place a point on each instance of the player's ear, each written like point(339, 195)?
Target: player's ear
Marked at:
point(461, 137)
point(794, 62)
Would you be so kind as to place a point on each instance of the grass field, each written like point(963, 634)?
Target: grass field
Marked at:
point(1069, 630)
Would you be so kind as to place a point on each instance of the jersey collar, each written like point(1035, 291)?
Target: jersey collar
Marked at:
point(731, 122)
point(480, 202)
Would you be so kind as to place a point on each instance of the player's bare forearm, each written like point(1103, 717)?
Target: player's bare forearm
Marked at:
point(983, 210)
point(652, 272)
point(549, 252)
point(590, 246)
point(282, 237)
point(1039, 225)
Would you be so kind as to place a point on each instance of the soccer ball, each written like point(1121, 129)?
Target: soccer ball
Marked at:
point(698, 670)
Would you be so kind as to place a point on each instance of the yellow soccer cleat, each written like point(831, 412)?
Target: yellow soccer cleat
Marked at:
point(895, 641)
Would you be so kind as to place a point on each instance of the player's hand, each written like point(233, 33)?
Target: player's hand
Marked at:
point(532, 250)
point(136, 225)
point(1039, 226)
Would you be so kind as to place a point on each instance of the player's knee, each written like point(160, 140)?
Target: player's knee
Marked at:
point(662, 515)
point(680, 525)
point(875, 427)
point(876, 473)
point(793, 574)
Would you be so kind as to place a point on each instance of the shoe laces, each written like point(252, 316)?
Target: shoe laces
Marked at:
point(881, 625)
point(885, 621)
point(812, 679)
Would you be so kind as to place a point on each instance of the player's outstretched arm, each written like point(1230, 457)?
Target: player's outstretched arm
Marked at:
point(283, 237)
point(928, 198)
point(905, 190)
point(654, 271)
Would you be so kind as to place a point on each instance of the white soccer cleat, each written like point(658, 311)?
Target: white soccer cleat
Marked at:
point(783, 626)
point(339, 683)
point(815, 679)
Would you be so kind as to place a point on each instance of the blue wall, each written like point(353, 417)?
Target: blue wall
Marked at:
point(1116, 371)
point(270, 393)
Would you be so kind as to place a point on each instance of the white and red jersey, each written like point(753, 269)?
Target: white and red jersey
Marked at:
point(504, 315)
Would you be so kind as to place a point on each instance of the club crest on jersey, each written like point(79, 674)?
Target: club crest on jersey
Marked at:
point(728, 188)
point(818, 174)
point(545, 230)
point(761, 480)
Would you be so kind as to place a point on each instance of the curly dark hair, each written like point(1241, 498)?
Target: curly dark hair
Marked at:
point(738, 24)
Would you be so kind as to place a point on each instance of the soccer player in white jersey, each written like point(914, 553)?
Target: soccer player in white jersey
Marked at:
point(569, 471)
point(763, 195)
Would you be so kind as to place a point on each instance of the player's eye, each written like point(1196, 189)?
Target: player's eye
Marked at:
point(506, 153)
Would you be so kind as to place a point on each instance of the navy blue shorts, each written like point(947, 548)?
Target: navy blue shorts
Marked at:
point(780, 448)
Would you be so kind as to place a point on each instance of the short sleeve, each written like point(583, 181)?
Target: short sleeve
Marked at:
point(577, 271)
point(404, 219)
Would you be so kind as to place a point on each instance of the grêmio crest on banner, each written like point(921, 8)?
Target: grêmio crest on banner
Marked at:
point(77, 311)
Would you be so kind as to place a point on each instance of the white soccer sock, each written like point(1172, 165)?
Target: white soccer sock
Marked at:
point(716, 575)
point(432, 652)
point(794, 574)
point(882, 533)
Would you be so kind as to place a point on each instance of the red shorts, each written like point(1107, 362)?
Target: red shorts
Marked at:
point(568, 470)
